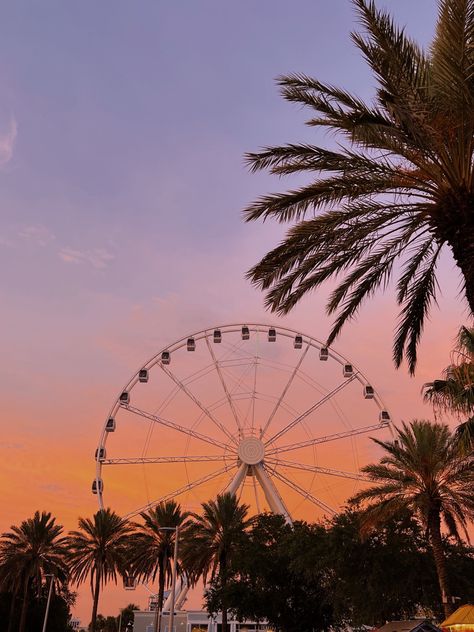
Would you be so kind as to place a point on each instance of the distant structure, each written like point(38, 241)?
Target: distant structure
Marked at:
point(193, 621)
point(411, 625)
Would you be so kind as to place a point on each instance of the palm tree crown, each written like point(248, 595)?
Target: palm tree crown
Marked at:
point(399, 188)
point(28, 553)
point(455, 391)
point(98, 550)
point(152, 547)
point(422, 471)
point(211, 540)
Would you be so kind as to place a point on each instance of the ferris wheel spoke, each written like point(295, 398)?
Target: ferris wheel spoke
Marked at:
point(302, 492)
point(163, 459)
point(171, 424)
point(319, 470)
point(224, 385)
point(182, 490)
point(326, 439)
point(311, 409)
point(193, 398)
point(285, 390)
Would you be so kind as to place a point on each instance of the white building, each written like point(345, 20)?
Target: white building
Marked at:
point(192, 621)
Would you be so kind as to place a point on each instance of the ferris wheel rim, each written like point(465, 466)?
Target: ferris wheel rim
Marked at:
point(309, 341)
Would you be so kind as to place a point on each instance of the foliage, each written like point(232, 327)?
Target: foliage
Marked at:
point(454, 393)
point(58, 617)
point(312, 577)
point(211, 540)
point(271, 580)
point(98, 551)
point(423, 472)
point(398, 188)
point(127, 615)
point(152, 545)
point(27, 554)
point(386, 576)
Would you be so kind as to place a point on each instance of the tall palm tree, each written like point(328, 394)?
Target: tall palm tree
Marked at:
point(27, 554)
point(98, 551)
point(422, 471)
point(455, 391)
point(397, 189)
point(211, 539)
point(152, 547)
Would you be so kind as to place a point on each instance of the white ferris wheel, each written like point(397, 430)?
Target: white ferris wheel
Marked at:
point(265, 412)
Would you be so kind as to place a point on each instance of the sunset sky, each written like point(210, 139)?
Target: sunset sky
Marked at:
point(122, 132)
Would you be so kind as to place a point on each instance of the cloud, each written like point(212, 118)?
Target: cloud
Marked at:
point(37, 234)
point(7, 142)
point(98, 258)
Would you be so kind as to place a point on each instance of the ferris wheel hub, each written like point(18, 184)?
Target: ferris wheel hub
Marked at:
point(251, 451)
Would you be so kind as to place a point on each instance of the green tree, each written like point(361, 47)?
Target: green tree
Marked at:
point(398, 188)
point(454, 393)
point(424, 472)
point(98, 551)
point(27, 554)
point(211, 539)
point(387, 575)
point(152, 547)
point(127, 615)
point(59, 612)
point(270, 577)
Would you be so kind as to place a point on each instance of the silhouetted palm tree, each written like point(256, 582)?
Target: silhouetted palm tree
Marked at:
point(152, 546)
point(397, 189)
point(423, 472)
point(211, 539)
point(27, 554)
point(454, 393)
point(98, 551)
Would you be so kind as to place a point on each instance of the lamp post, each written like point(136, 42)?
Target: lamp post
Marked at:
point(157, 622)
point(173, 581)
point(45, 621)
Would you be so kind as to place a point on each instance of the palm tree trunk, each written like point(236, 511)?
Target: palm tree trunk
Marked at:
point(458, 233)
point(12, 611)
point(161, 591)
point(223, 578)
point(24, 606)
point(436, 543)
point(95, 604)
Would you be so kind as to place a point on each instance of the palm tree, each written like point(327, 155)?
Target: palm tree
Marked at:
point(152, 548)
point(27, 554)
point(455, 391)
point(423, 472)
point(211, 539)
point(398, 188)
point(98, 551)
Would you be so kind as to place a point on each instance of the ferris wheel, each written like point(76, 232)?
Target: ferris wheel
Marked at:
point(265, 412)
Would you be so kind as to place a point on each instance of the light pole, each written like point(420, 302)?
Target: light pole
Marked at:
point(173, 584)
point(45, 621)
point(173, 581)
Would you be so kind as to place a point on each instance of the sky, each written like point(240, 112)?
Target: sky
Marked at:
point(123, 127)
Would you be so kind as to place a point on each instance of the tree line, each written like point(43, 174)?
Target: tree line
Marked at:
point(387, 555)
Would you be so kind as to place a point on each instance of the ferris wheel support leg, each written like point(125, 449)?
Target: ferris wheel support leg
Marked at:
point(238, 479)
point(182, 596)
point(181, 592)
point(274, 500)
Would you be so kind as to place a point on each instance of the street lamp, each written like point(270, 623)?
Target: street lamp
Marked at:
point(158, 612)
point(129, 584)
point(45, 621)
